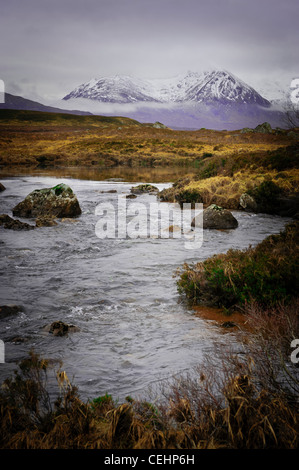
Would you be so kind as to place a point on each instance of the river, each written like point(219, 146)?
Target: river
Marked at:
point(121, 293)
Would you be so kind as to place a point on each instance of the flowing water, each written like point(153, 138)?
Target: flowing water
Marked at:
point(121, 293)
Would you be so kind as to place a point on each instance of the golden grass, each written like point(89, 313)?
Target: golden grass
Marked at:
point(226, 190)
point(200, 412)
point(30, 138)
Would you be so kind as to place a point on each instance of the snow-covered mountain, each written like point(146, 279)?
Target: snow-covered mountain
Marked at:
point(216, 86)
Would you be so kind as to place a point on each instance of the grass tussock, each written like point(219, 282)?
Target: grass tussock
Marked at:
point(222, 179)
point(198, 411)
point(53, 139)
point(266, 274)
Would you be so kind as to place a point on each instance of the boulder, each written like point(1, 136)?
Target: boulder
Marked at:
point(14, 224)
point(248, 203)
point(216, 217)
point(144, 188)
point(174, 228)
point(59, 201)
point(69, 220)
point(2, 187)
point(264, 128)
point(110, 191)
point(9, 310)
point(59, 328)
point(246, 130)
point(45, 221)
point(159, 125)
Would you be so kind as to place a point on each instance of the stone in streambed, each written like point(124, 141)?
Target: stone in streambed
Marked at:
point(248, 203)
point(144, 189)
point(45, 221)
point(59, 328)
point(59, 201)
point(2, 187)
point(14, 224)
point(215, 217)
point(9, 310)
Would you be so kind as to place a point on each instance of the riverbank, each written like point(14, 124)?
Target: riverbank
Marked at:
point(224, 402)
point(49, 139)
point(132, 329)
point(219, 166)
point(266, 274)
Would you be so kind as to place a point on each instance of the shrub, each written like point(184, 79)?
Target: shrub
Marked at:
point(191, 196)
point(285, 158)
point(267, 273)
point(266, 195)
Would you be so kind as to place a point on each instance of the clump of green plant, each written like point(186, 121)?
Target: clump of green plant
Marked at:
point(267, 273)
point(29, 412)
point(202, 409)
point(209, 171)
point(103, 402)
point(190, 196)
point(285, 158)
point(266, 195)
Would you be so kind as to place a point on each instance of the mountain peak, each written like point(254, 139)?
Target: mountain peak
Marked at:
point(205, 87)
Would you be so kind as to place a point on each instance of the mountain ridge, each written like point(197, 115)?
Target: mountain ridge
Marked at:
point(20, 103)
point(201, 87)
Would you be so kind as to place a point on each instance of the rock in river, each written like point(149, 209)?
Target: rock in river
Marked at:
point(14, 224)
point(59, 201)
point(45, 221)
point(144, 188)
point(9, 310)
point(248, 203)
point(59, 328)
point(216, 217)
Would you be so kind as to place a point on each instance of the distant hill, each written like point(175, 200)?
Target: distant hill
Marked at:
point(217, 86)
point(214, 99)
point(20, 103)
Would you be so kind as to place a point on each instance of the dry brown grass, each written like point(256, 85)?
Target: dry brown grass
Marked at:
point(218, 406)
point(31, 138)
point(226, 190)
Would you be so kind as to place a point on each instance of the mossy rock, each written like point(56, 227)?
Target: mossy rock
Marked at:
point(14, 224)
point(248, 203)
point(264, 128)
point(215, 217)
point(144, 188)
point(59, 201)
point(59, 328)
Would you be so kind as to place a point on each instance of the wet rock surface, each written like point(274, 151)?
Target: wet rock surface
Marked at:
point(9, 310)
point(144, 188)
point(13, 224)
point(45, 221)
point(59, 328)
point(59, 201)
point(215, 217)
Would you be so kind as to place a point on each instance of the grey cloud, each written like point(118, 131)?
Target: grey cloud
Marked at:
point(57, 45)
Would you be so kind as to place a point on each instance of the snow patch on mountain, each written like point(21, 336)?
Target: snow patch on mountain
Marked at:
point(211, 86)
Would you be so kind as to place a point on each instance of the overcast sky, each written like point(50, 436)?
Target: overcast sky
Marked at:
point(48, 47)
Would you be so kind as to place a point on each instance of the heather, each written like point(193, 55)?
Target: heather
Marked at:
point(267, 273)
